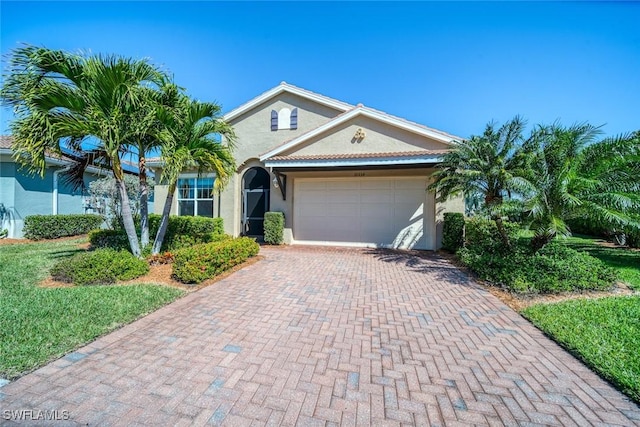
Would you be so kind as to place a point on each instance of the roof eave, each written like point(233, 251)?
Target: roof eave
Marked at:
point(284, 87)
point(384, 161)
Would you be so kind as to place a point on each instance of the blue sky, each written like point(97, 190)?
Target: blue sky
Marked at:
point(454, 66)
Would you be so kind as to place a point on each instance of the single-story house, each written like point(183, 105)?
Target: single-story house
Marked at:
point(23, 194)
point(342, 174)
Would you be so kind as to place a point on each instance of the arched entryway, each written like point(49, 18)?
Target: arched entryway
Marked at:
point(255, 201)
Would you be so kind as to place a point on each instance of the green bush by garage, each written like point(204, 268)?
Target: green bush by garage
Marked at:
point(38, 227)
point(274, 228)
point(201, 262)
point(453, 231)
point(553, 269)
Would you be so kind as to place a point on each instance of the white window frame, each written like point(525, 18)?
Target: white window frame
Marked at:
point(195, 198)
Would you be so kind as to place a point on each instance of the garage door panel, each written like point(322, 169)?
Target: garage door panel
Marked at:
point(410, 184)
point(405, 212)
point(315, 185)
point(313, 209)
point(343, 185)
point(369, 211)
point(408, 196)
point(372, 210)
point(341, 196)
point(376, 196)
point(350, 210)
point(376, 184)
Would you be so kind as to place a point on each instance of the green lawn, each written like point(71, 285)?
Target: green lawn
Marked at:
point(38, 325)
point(604, 333)
point(625, 261)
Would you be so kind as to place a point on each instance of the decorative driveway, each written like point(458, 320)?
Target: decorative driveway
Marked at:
point(316, 336)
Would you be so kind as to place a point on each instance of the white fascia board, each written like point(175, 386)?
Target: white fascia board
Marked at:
point(338, 105)
point(383, 161)
point(363, 111)
point(408, 126)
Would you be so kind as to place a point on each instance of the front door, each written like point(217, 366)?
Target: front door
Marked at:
point(255, 201)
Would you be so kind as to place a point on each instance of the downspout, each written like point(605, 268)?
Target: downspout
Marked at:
point(57, 172)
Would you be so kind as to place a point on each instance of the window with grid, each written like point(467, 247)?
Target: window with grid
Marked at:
point(195, 196)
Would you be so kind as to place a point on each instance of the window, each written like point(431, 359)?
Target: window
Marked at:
point(195, 196)
point(284, 119)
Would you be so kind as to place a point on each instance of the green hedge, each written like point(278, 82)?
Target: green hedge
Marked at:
point(555, 268)
point(38, 227)
point(483, 233)
point(274, 228)
point(182, 232)
point(100, 267)
point(201, 262)
point(453, 231)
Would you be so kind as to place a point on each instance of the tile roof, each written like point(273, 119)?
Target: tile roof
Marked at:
point(6, 142)
point(419, 153)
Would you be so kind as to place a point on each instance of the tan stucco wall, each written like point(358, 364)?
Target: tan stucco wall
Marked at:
point(160, 196)
point(379, 138)
point(253, 128)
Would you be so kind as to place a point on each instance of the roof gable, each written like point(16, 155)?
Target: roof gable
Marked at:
point(284, 87)
point(362, 111)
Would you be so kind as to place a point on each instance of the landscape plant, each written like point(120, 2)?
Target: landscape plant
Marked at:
point(490, 166)
point(194, 137)
point(99, 267)
point(201, 262)
point(274, 228)
point(38, 227)
point(88, 104)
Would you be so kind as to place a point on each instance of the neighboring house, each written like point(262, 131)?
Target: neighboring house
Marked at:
point(342, 174)
point(22, 194)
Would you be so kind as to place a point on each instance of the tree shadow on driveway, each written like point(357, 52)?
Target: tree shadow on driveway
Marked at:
point(425, 262)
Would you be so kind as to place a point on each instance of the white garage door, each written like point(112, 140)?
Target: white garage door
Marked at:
point(374, 212)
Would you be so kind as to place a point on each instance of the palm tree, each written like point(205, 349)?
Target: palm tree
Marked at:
point(189, 142)
point(87, 103)
point(489, 166)
point(146, 139)
point(577, 176)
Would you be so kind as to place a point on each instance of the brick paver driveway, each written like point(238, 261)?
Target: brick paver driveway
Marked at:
point(313, 336)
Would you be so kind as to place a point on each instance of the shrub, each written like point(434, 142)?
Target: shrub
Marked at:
point(114, 239)
point(182, 232)
point(38, 227)
point(185, 231)
point(453, 231)
point(274, 228)
point(554, 268)
point(100, 267)
point(483, 234)
point(633, 238)
point(204, 261)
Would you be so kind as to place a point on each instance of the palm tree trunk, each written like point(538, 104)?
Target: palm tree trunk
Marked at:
point(127, 217)
point(164, 220)
point(144, 203)
point(503, 233)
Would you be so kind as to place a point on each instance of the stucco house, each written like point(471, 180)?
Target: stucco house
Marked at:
point(342, 174)
point(22, 194)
